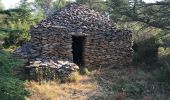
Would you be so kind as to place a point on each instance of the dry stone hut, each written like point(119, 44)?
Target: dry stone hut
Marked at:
point(78, 34)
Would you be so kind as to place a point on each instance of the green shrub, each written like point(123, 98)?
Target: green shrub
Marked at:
point(146, 51)
point(15, 39)
point(11, 87)
point(162, 73)
point(132, 88)
point(2, 35)
point(140, 84)
point(136, 90)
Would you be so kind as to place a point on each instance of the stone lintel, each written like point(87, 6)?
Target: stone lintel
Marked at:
point(80, 34)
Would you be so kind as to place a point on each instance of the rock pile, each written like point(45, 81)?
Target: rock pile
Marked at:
point(50, 69)
point(60, 66)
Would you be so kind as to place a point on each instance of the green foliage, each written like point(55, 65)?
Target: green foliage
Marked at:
point(152, 14)
point(139, 89)
point(46, 7)
point(60, 3)
point(16, 23)
point(132, 88)
point(140, 84)
point(11, 88)
point(146, 51)
point(2, 35)
point(162, 73)
point(83, 1)
point(18, 34)
point(1, 5)
point(97, 5)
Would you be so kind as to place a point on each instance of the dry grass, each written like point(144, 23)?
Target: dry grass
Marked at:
point(74, 77)
point(96, 86)
point(82, 89)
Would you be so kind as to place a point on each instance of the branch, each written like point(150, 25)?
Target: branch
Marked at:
point(158, 3)
point(154, 24)
point(11, 30)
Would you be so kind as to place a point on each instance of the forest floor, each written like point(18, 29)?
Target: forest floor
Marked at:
point(103, 84)
point(84, 88)
point(111, 83)
point(96, 86)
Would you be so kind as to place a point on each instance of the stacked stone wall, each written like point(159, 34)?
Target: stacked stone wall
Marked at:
point(52, 43)
point(107, 49)
point(100, 49)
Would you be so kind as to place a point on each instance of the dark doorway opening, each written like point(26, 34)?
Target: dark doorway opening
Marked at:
point(78, 49)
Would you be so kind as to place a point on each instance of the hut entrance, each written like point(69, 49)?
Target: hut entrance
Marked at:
point(78, 49)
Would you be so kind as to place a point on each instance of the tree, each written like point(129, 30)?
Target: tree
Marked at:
point(98, 5)
point(44, 6)
point(117, 8)
point(17, 22)
point(1, 5)
point(60, 3)
point(48, 6)
point(152, 14)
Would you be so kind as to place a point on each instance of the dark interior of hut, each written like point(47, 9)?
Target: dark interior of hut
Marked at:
point(78, 49)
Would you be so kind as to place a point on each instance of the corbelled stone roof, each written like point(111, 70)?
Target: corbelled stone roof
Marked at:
point(77, 18)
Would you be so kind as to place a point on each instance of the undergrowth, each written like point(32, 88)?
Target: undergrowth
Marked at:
point(137, 87)
point(11, 87)
point(150, 80)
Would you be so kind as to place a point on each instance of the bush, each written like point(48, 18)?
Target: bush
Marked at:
point(15, 39)
point(137, 89)
point(162, 74)
point(146, 51)
point(133, 88)
point(17, 33)
point(11, 87)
